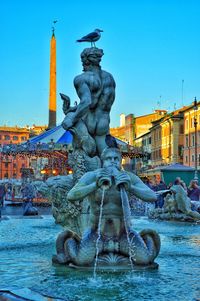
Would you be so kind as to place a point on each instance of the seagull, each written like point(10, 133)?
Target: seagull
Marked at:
point(92, 37)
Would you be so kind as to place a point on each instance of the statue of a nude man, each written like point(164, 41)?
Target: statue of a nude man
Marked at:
point(113, 237)
point(89, 121)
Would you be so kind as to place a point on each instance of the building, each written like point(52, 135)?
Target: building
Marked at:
point(167, 139)
point(132, 127)
point(191, 119)
point(10, 166)
point(132, 130)
point(125, 130)
point(36, 130)
point(143, 123)
point(144, 142)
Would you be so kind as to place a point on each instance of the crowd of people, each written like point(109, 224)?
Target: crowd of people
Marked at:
point(193, 190)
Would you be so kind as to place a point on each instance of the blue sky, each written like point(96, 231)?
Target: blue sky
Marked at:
point(150, 47)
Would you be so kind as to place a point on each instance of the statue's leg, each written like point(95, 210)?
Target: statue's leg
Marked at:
point(144, 246)
point(100, 143)
point(83, 253)
point(83, 138)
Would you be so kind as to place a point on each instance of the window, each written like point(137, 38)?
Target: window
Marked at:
point(186, 159)
point(14, 165)
point(23, 138)
point(7, 137)
point(186, 141)
point(6, 164)
point(0, 137)
point(15, 138)
point(186, 124)
point(6, 175)
point(180, 151)
point(181, 129)
point(193, 140)
point(192, 158)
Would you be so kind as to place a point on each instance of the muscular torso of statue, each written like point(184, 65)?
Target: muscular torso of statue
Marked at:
point(97, 90)
point(112, 224)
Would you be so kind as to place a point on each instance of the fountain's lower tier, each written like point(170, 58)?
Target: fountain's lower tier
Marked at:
point(95, 249)
point(27, 245)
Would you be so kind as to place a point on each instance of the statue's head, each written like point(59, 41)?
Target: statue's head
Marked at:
point(91, 57)
point(111, 157)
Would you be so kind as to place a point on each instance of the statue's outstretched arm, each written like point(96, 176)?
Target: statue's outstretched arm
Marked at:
point(85, 186)
point(141, 190)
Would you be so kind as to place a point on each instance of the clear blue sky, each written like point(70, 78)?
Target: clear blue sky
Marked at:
point(150, 47)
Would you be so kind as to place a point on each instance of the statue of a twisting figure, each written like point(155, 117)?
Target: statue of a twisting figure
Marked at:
point(113, 241)
point(99, 180)
point(89, 120)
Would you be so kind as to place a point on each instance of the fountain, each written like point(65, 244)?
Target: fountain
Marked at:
point(93, 207)
point(177, 207)
point(98, 186)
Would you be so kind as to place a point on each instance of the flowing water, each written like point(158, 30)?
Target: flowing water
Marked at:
point(27, 246)
point(127, 223)
point(99, 232)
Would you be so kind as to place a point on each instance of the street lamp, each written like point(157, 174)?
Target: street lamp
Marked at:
point(195, 133)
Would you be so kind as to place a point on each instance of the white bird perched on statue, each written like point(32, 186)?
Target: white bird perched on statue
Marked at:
point(91, 37)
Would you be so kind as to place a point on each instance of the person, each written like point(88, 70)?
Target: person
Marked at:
point(194, 191)
point(179, 181)
point(150, 184)
point(96, 90)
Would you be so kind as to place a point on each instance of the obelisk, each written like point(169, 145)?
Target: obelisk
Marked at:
point(52, 89)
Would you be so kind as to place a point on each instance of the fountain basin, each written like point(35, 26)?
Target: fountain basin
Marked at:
point(27, 245)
